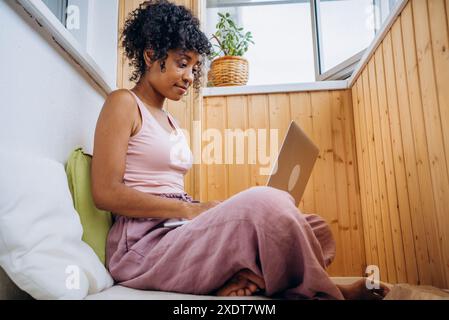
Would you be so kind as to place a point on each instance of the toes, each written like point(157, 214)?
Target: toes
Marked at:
point(252, 287)
point(228, 288)
point(244, 283)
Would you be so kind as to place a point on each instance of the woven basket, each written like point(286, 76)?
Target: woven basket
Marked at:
point(228, 71)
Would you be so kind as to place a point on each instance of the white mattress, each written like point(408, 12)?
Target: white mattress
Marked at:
point(123, 293)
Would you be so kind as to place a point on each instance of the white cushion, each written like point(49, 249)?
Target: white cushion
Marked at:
point(40, 232)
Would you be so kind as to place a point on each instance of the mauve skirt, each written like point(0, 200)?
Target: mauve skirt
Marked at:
point(259, 229)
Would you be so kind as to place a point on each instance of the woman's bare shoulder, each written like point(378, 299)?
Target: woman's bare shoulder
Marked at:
point(120, 103)
point(119, 110)
point(120, 97)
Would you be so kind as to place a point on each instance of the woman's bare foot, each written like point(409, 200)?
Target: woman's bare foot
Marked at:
point(243, 283)
point(359, 291)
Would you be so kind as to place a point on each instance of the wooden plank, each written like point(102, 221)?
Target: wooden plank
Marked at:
point(238, 169)
point(279, 106)
point(410, 273)
point(440, 46)
point(259, 120)
point(410, 161)
point(368, 186)
point(127, 70)
point(197, 114)
point(301, 113)
point(447, 13)
point(355, 215)
point(325, 190)
point(371, 158)
point(203, 167)
point(362, 225)
point(435, 144)
point(120, 56)
point(341, 184)
point(425, 192)
point(379, 141)
point(375, 154)
point(217, 184)
point(390, 177)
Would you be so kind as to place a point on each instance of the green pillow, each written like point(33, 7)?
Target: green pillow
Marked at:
point(96, 223)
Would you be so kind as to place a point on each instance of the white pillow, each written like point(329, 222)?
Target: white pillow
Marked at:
point(40, 232)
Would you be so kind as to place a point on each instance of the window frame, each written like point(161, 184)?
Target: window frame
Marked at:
point(346, 68)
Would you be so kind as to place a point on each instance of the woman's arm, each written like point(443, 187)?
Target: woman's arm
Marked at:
point(114, 128)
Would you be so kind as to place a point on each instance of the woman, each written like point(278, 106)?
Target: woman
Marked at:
point(256, 241)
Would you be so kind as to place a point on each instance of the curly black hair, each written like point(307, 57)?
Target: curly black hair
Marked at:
point(160, 25)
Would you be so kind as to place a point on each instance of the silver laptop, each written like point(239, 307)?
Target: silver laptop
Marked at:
point(292, 169)
point(294, 164)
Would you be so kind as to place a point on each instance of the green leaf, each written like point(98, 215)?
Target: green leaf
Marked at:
point(231, 39)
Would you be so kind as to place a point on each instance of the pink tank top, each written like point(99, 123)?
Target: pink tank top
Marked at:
point(157, 161)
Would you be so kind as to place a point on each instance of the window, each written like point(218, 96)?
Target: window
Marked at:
point(304, 40)
point(58, 8)
point(282, 31)
point(344, 29)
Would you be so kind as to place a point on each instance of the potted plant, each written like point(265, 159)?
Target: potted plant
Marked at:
point(228, 67)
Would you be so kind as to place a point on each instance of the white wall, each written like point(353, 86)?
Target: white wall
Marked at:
point(48, 105)
point(102, 36)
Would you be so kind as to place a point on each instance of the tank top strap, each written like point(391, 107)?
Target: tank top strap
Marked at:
point(147, 114)
point(172, 120)
point(143, 110)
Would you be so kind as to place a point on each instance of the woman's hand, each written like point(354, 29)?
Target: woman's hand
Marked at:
point(195, 209)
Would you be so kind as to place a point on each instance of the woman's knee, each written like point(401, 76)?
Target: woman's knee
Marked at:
point(271, 196)
point(269, 203)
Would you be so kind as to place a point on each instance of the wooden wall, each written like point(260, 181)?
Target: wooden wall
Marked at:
point(332, 191)
point(401, 113)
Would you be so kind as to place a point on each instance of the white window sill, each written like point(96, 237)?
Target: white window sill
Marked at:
point(275, 88)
